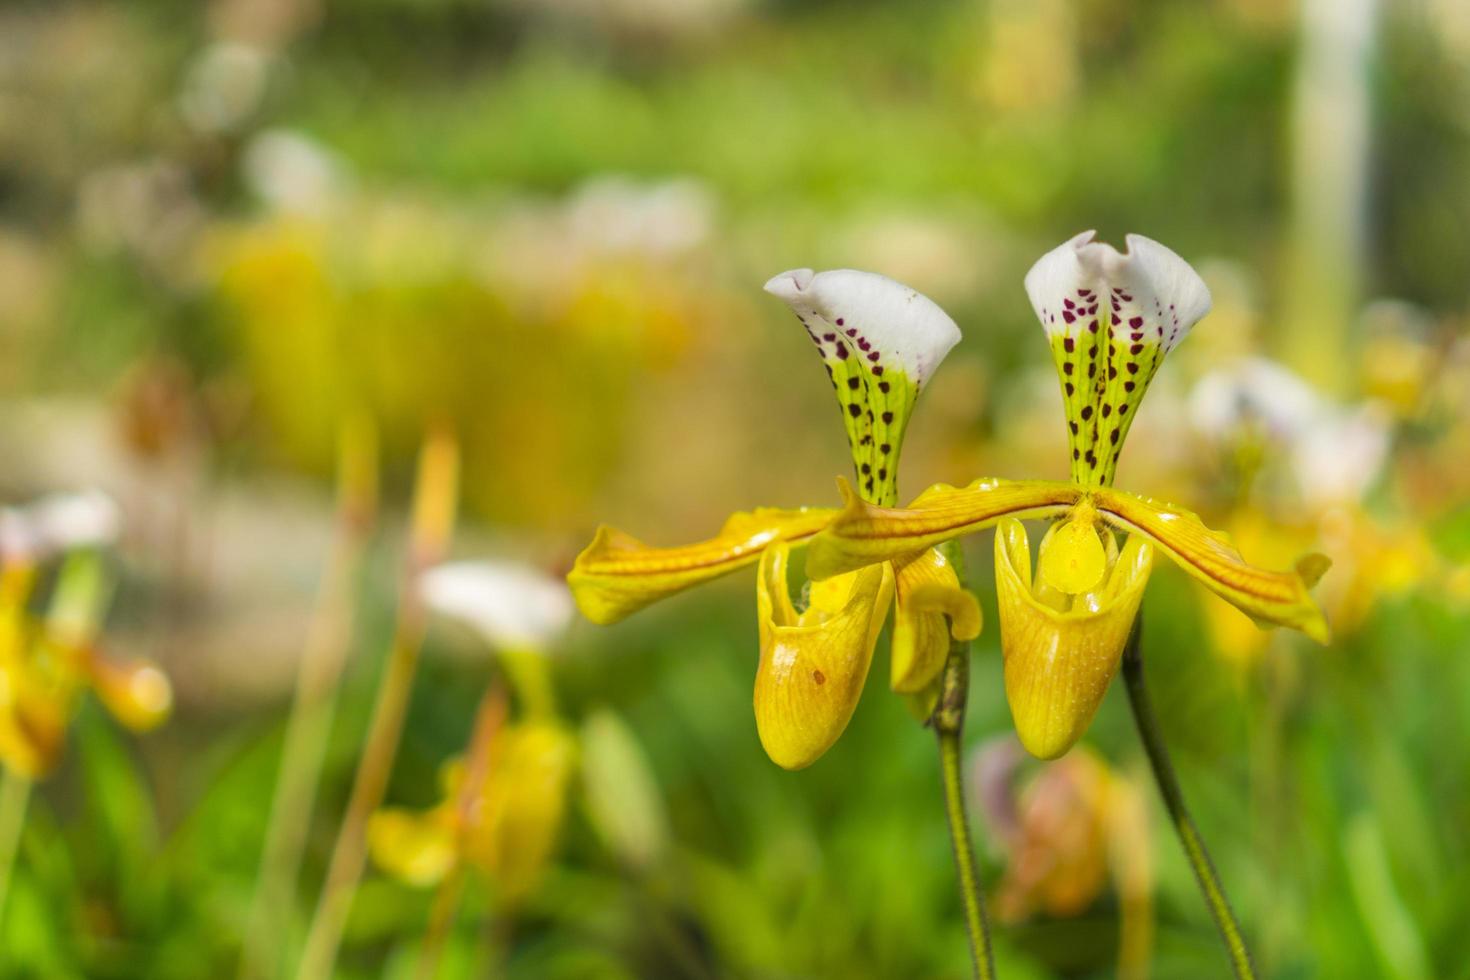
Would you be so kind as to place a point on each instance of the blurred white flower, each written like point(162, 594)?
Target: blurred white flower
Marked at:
point(1334, 451)
point(617, 214)
point(58, 523)
point(81, 519)
point(292, 172)
point(512, 606)
point(1253, 393)
point(224, 86)
point(1339, 456)
point(17, 541)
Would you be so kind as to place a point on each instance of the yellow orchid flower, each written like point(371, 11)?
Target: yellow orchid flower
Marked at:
point(1111, 318)
point(506, 831)
point(48, 662)
point(880, 342)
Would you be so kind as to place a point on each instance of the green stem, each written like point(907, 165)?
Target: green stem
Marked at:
point(435, 497)
point(948, 720)
point(15, 794)
point(489, 720)
point(1184, 826)
point(309, 725)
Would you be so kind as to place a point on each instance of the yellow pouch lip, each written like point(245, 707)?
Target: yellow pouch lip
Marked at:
point(1059, 663)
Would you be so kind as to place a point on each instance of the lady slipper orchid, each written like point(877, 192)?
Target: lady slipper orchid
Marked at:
point(880, 342)
point(48, 661)
point(1111, 318)
point(510, 826)
point(504, 800)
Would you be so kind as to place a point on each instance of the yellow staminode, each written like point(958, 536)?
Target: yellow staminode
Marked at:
point(1073, 559)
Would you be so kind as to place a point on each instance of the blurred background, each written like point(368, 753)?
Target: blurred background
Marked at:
point(239, 238)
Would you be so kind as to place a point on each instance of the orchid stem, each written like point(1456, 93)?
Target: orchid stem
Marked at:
point(948, 720)
point(1189, 835)
point(435, 496)
point(489, 719)
point(309, 725)
point(15, 795)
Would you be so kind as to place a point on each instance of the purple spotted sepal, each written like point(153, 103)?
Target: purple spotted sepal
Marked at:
point(1110, 317)
point(880, 341)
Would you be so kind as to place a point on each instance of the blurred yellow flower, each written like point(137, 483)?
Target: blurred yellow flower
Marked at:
point(1067, 829)
point(47, 663)
point(408, 309)
point(506, 829)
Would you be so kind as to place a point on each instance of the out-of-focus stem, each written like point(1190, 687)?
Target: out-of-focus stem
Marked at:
point(435, 502)
point(489, 719)
point(15, 794)
point(1189, 835)
point(948, 720)
point(309, 725)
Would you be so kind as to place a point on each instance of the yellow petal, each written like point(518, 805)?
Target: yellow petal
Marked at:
point(517, 824)
point(1058, 664)
point(617, 574)
point(1270, 598)
point(863, 533)
point(927, 591)
point(136, 692)
point(418, 848)
point(813, 666)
